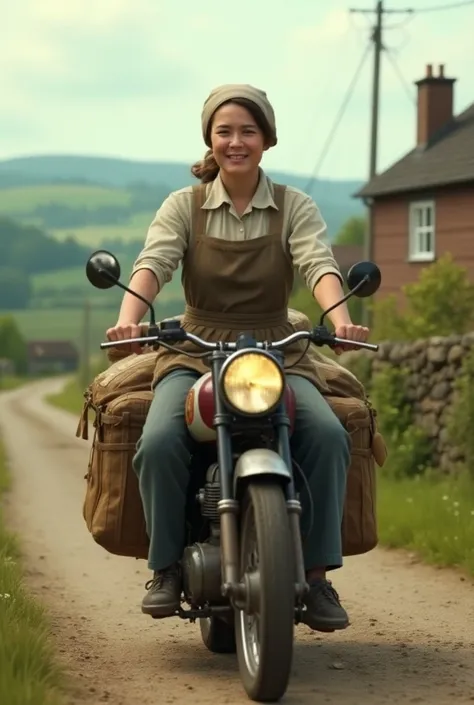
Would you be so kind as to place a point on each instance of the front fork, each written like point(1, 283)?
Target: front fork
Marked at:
point(228, 507)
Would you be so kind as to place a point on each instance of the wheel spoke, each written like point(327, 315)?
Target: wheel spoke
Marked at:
point(264, 629)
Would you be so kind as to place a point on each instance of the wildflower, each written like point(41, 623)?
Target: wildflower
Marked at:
point(5, 595)
point(445, 498)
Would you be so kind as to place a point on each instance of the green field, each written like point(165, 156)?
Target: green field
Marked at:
point(67, 324)
point(135, 229)
point(95, 235)
point(20, 203)
point(62, 324)
point(14, 201)
point(58, 283)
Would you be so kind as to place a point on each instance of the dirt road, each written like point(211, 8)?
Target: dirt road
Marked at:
point(412, 639)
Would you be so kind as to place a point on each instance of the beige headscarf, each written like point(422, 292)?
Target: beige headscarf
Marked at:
point(221, 94)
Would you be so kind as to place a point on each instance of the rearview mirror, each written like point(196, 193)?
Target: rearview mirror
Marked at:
point(365, 277)
point(103, 269)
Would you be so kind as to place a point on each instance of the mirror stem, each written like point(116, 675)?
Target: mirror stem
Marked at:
point(108, 276)
point(345, 298)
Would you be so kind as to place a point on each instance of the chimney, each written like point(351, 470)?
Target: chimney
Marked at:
point(435, 104)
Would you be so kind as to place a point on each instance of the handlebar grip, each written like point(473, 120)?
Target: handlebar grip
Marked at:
point(127, 341)
point(355, 344)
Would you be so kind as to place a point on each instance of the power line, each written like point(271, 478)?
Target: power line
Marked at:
point(406, 86)
point(438, 8)
point(339, 116)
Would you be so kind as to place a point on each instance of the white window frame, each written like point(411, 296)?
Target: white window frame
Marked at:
point(416, 233)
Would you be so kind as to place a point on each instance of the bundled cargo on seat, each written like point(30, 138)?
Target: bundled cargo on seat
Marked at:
point(120, 398)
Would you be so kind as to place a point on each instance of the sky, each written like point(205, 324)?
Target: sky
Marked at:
point(127, 78)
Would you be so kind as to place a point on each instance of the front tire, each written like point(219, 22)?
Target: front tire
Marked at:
point(265, 639)
point(218, 636)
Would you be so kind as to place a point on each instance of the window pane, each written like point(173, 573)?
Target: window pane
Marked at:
point(428, 241)
point(428, 215)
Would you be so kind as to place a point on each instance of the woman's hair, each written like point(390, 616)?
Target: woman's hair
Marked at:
point(207, 168)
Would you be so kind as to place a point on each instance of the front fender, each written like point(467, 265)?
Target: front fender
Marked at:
point(260, 461)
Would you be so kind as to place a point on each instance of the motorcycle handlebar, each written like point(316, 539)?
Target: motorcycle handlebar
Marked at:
point(315, 336)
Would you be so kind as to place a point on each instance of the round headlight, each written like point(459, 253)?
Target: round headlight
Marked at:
point(252, 383)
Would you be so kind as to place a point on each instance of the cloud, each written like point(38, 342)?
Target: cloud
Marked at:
point(128, 77)
point(87, 50)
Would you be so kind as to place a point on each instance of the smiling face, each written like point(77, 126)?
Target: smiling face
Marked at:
point(238, 142)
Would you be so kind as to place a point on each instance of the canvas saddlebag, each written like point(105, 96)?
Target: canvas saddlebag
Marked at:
point(120, 398)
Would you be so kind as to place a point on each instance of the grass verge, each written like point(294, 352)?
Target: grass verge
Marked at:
point(70, 398)
point(8, 383)
point(29, 674)
point(432, 516)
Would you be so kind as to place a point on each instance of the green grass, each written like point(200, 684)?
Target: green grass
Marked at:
point(29, 674)
point(434, 517)
point(70, 398)
point(22, 200)
point(9, 382)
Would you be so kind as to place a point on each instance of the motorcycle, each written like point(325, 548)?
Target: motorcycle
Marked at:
point(242, 568)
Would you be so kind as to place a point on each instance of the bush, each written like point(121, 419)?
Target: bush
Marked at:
point(440, 303)
point(461, 421)
point(12, 344)
point(408, 446)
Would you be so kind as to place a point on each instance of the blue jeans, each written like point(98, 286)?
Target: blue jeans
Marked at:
point(320, 445)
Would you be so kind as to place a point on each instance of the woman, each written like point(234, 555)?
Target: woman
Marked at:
point(239, 237)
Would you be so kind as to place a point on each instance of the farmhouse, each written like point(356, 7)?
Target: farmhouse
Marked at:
point(347, 255)
point(423, 205)
point(51, 356)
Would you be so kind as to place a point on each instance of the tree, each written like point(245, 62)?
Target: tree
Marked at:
point(440, 303)
point(15, 289)
point(12, 344)
point(352, 232)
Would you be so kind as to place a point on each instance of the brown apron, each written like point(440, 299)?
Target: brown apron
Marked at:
point(234, 287)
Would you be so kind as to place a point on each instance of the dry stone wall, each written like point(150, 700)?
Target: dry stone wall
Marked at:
point(432, 366)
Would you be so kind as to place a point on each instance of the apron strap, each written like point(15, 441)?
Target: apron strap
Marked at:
point(275, 222)
point(198, 215)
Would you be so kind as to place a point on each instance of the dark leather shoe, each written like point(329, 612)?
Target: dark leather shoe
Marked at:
point(324, 611)
point(164, 593)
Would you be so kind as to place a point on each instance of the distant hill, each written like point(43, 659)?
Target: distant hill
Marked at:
point(97, 183)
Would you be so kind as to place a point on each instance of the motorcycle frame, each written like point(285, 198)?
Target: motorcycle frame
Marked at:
point(229, 505)
point(103, 271)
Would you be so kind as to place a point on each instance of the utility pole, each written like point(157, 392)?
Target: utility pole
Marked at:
point(376, 37)
point(374, 131)
point(85, 367)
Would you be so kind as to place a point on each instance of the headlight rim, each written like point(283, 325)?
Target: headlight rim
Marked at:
point(230, 359)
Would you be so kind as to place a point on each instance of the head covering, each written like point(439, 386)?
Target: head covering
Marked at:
point(222, 94)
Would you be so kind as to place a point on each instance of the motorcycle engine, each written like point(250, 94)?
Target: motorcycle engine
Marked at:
point(201, 563)
point(201, 566)
point(210, 494)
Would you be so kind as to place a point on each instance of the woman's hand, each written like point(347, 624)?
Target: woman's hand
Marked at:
point(350, 332)
point(124, 330)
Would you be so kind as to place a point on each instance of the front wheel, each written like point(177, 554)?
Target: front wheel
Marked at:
point(264, 638)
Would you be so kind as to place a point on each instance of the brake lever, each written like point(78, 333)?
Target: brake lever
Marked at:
point(321, 336)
